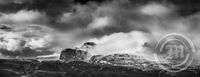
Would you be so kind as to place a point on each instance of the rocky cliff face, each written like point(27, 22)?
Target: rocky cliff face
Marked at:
point(68, 55)
point(125, 60)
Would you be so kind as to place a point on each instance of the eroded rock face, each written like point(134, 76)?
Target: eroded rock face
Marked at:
point(95, 59)
point(69, 55)
point(126, 60)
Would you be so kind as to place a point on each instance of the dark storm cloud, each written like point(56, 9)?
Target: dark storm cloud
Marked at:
point(5, 27)
point(186, 7)
point(56, 7)
point(52, 8)
point(124, 13)
point(66, 15)
point(123, 16)
point(26, 52)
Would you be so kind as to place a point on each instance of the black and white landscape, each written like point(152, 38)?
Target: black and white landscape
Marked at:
point(93, 38)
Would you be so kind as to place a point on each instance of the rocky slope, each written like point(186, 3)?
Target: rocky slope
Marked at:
point(72, 65)
point(34, 68)
point(126, 60)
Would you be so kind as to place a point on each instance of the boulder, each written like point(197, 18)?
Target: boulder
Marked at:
point(69, 55)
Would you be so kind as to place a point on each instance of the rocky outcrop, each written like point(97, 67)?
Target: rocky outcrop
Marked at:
point(126, 60)
point(95, 59)
point(69, 55)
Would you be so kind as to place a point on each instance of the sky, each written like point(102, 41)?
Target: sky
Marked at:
point(32, 28)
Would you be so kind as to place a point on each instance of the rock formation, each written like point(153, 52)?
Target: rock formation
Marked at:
point(124, 60)
point(68, 55)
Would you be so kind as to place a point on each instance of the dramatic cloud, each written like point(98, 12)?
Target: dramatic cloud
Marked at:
point(23, 17)
point(130, 42)
point(11, 42)
point(156, 9)
point(25, 41)
point(100, 22)
point(115, 25)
